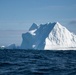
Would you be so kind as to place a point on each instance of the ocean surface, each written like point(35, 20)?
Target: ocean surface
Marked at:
point(37, 62)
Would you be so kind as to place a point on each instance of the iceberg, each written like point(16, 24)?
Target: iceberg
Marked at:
point(48, 36)
point(11, 46)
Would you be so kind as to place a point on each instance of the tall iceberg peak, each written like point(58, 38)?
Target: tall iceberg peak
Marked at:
point(57, 25)
point(48, 36)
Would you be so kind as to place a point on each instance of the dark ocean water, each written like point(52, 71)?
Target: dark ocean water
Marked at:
point(37, 62)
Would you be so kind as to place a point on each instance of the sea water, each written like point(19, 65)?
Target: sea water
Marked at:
point(37, 62)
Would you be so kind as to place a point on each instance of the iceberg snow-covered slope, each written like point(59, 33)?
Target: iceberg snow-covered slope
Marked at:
point(60, 38)
point(48, 36)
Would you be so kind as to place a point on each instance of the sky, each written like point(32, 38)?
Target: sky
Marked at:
point(21, 14)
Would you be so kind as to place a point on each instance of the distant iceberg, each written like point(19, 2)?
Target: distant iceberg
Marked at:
point(12, 46)
point(2, 47)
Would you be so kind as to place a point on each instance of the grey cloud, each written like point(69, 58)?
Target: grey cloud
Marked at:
point(72, 26)
point(73, 22)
